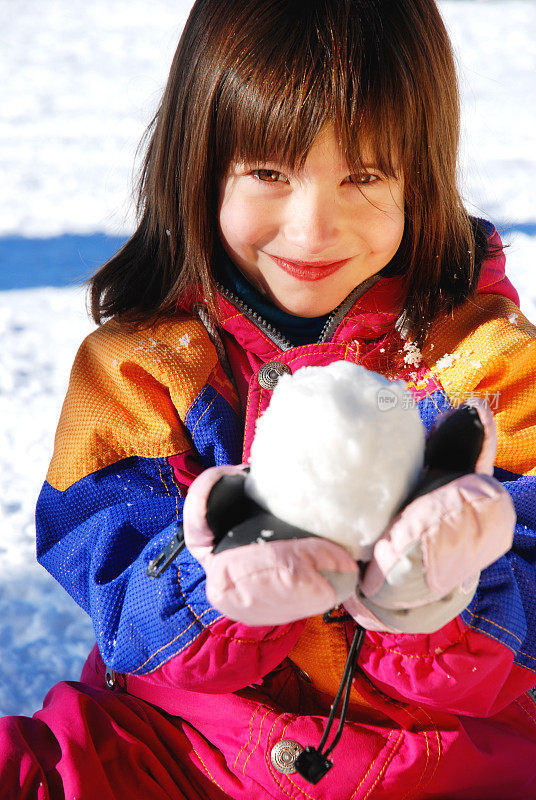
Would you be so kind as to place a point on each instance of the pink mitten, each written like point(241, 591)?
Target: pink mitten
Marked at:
point(426, 565)
point(279, 574)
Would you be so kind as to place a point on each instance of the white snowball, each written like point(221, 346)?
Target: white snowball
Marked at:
point(336, 452)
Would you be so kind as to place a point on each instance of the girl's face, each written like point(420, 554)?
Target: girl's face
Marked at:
point(307, 238)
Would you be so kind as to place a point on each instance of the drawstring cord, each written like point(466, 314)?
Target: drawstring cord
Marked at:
point(312, 764)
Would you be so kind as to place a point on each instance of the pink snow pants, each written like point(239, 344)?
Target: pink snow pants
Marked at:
point(89, 743)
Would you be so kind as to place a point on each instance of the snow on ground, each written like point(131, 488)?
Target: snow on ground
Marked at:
point(43, 634)
point(495, 45)
point(84, 80)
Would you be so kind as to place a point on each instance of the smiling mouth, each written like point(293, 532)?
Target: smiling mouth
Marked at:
point(309, 271)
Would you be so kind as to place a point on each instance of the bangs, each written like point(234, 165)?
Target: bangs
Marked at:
point(312, 65)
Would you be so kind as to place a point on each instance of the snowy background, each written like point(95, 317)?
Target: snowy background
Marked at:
point(79, 81)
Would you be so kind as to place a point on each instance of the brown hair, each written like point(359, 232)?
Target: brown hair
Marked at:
point(258, 79)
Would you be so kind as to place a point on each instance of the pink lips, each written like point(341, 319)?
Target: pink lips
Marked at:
point(305, 271)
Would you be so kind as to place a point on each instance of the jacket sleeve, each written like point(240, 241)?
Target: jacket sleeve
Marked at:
point(144, 412)
point(486, 657)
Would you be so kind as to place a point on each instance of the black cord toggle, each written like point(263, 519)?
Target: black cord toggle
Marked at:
point(312, 764)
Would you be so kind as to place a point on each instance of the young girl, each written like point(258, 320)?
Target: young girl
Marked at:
point(298, 206)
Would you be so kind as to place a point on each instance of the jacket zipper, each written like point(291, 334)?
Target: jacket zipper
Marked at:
point(268, 329)
point(330, 326)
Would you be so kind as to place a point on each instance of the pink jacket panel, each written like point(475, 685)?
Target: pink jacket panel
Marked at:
point(430, 754)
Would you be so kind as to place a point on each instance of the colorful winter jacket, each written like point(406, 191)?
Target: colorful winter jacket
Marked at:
point(447, 715)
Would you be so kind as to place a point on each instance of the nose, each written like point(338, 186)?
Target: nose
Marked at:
point(313, 221)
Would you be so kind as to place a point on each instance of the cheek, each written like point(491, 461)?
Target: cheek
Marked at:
point(385, 227)
point(240, 225)
point(395, 230)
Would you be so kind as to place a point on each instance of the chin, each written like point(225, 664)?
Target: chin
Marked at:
point(306, 308)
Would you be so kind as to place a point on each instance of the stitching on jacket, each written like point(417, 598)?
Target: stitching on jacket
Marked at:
point(231, 316)
point(173, 477)
point(196, 399)
point(241, 640)
point(202, 415)
point(428, 750)
point(491, 636)
point(438, 739)
point(529, 704)
point(399, 653)
point(164, 646)
point(527, 712)
point(385, 745)
point(177, 510)
point(386, 764)
point(522, 653)
point(491, 622)
point(178, 652)
point(406, 655)
point(197, 618)
point(423, 773)
point(285, 790)
point(208, 771)
point(431, 655)
point(308, 350)
point(367, 645)
point(429, 396)
point(360, 311)
point(246, 423)
point(257, 742)
point(312, 350)
point(403, 707)
point(273, 347)
point(255, 711)
point(163, 481)
point(356, 354)
point(247, 415)
point(261, 397)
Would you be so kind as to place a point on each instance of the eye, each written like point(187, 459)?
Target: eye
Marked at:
point(363, 178)
point(268, 175)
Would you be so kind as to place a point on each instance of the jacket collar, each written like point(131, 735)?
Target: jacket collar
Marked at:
point(369, 312)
